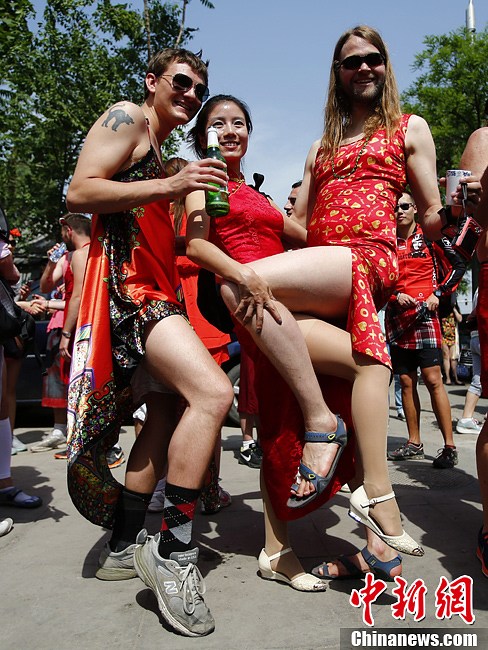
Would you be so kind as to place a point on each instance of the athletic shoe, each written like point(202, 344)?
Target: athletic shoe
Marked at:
point(115, 457)
point(408, 451)
point(6, 526)
point(252, 456)
point(18, 445)
point(178, 586)
point(213, 500)
point(400, 415)
point(119, 566)
point(446, 458)
point(52, 441)
point(157, 500)
point(61, 455)
point(468, 425)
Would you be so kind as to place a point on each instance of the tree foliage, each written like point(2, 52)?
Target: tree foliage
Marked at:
point(59, 71)
point(451, 90)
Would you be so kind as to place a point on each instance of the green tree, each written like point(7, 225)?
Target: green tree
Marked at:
point(57, 76)
point(451, 90)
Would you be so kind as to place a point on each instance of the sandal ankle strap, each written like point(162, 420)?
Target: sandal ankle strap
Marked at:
point(375, 500)
point(279, 554)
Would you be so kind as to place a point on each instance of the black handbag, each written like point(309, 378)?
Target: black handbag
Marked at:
point(210, 302)
point(14, 321)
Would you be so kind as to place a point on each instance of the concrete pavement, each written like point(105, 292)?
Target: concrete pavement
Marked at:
point(51, 599)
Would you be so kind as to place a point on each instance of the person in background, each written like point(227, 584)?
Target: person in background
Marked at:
point(450, 317)
point(14, 349)
point(10, 495)
point(413, 332)
point(467, 422)
point(292, 197)
point(54, 389)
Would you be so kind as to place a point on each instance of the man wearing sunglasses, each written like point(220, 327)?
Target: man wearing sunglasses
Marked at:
point(353, 177)
point(414, 333)
point(132, 326)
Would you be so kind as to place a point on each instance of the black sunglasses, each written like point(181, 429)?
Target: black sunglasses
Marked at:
point(354, 62)
point(183, 83)
point(403, 207)
point(12, 243)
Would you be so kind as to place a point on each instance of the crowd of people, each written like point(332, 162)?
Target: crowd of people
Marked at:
point(303, 288)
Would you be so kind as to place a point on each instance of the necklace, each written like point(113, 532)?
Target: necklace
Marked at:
point(239, 182)
point(362, 150)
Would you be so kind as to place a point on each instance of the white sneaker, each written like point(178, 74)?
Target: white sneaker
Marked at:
point(178, 585)
point(51, 441)
point(468, 425)
point(6, 526)
point(18, 445)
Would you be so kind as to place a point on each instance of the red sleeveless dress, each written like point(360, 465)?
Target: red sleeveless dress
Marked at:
point(252, 230)
point(130, 280)
point(355, 207)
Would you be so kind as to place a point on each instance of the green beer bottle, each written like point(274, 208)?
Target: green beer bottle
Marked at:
point(216, 202)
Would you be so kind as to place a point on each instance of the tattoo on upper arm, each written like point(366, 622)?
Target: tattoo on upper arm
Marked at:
point(119, 116)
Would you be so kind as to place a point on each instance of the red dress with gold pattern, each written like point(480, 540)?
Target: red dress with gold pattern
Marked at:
point(252, 230)
point(355, 207)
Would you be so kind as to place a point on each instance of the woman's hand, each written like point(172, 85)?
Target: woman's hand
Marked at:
point(254, 297)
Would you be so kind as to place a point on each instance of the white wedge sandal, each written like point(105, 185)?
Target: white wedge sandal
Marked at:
point(359, 510)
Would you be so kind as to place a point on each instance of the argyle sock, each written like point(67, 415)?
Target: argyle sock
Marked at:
point(178, 513)
point(130, 513)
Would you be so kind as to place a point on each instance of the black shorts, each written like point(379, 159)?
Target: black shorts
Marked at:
point(406, 361)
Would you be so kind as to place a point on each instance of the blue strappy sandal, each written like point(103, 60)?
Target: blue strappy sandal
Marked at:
point(380, 569)
point(353, 572)
point(320, 483)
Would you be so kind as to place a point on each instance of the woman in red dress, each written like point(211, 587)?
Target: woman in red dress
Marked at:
point(252, 231)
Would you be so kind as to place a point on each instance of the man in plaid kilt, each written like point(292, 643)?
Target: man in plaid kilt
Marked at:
point(414, 334)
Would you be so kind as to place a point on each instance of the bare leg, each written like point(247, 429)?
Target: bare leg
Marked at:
point(446, 363)
point(411, 406)
point(176, 357)
point(147, 459)
point(276, 539)
point(440, 402)
point(331, 352)
point(318, 282)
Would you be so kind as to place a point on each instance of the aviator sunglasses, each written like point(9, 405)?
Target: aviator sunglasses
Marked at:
point(183, 83)
point(354, 62)
point(403, 207)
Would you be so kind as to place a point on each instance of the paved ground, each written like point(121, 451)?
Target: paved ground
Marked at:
point(51, 599)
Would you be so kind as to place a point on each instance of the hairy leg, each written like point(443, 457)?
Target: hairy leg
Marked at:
point(331, 352)
point(411, 405)
point(148, 455)
point(176, 357)
point(440, 401)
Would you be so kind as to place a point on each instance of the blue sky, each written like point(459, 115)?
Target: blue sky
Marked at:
point(275, 55)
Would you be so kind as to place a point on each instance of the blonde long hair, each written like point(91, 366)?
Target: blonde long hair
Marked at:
point(387, 111)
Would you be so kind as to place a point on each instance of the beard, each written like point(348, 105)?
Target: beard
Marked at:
point(369, 96)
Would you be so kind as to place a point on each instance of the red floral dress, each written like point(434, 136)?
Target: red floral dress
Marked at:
point(355, 207)
point(252, 230)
